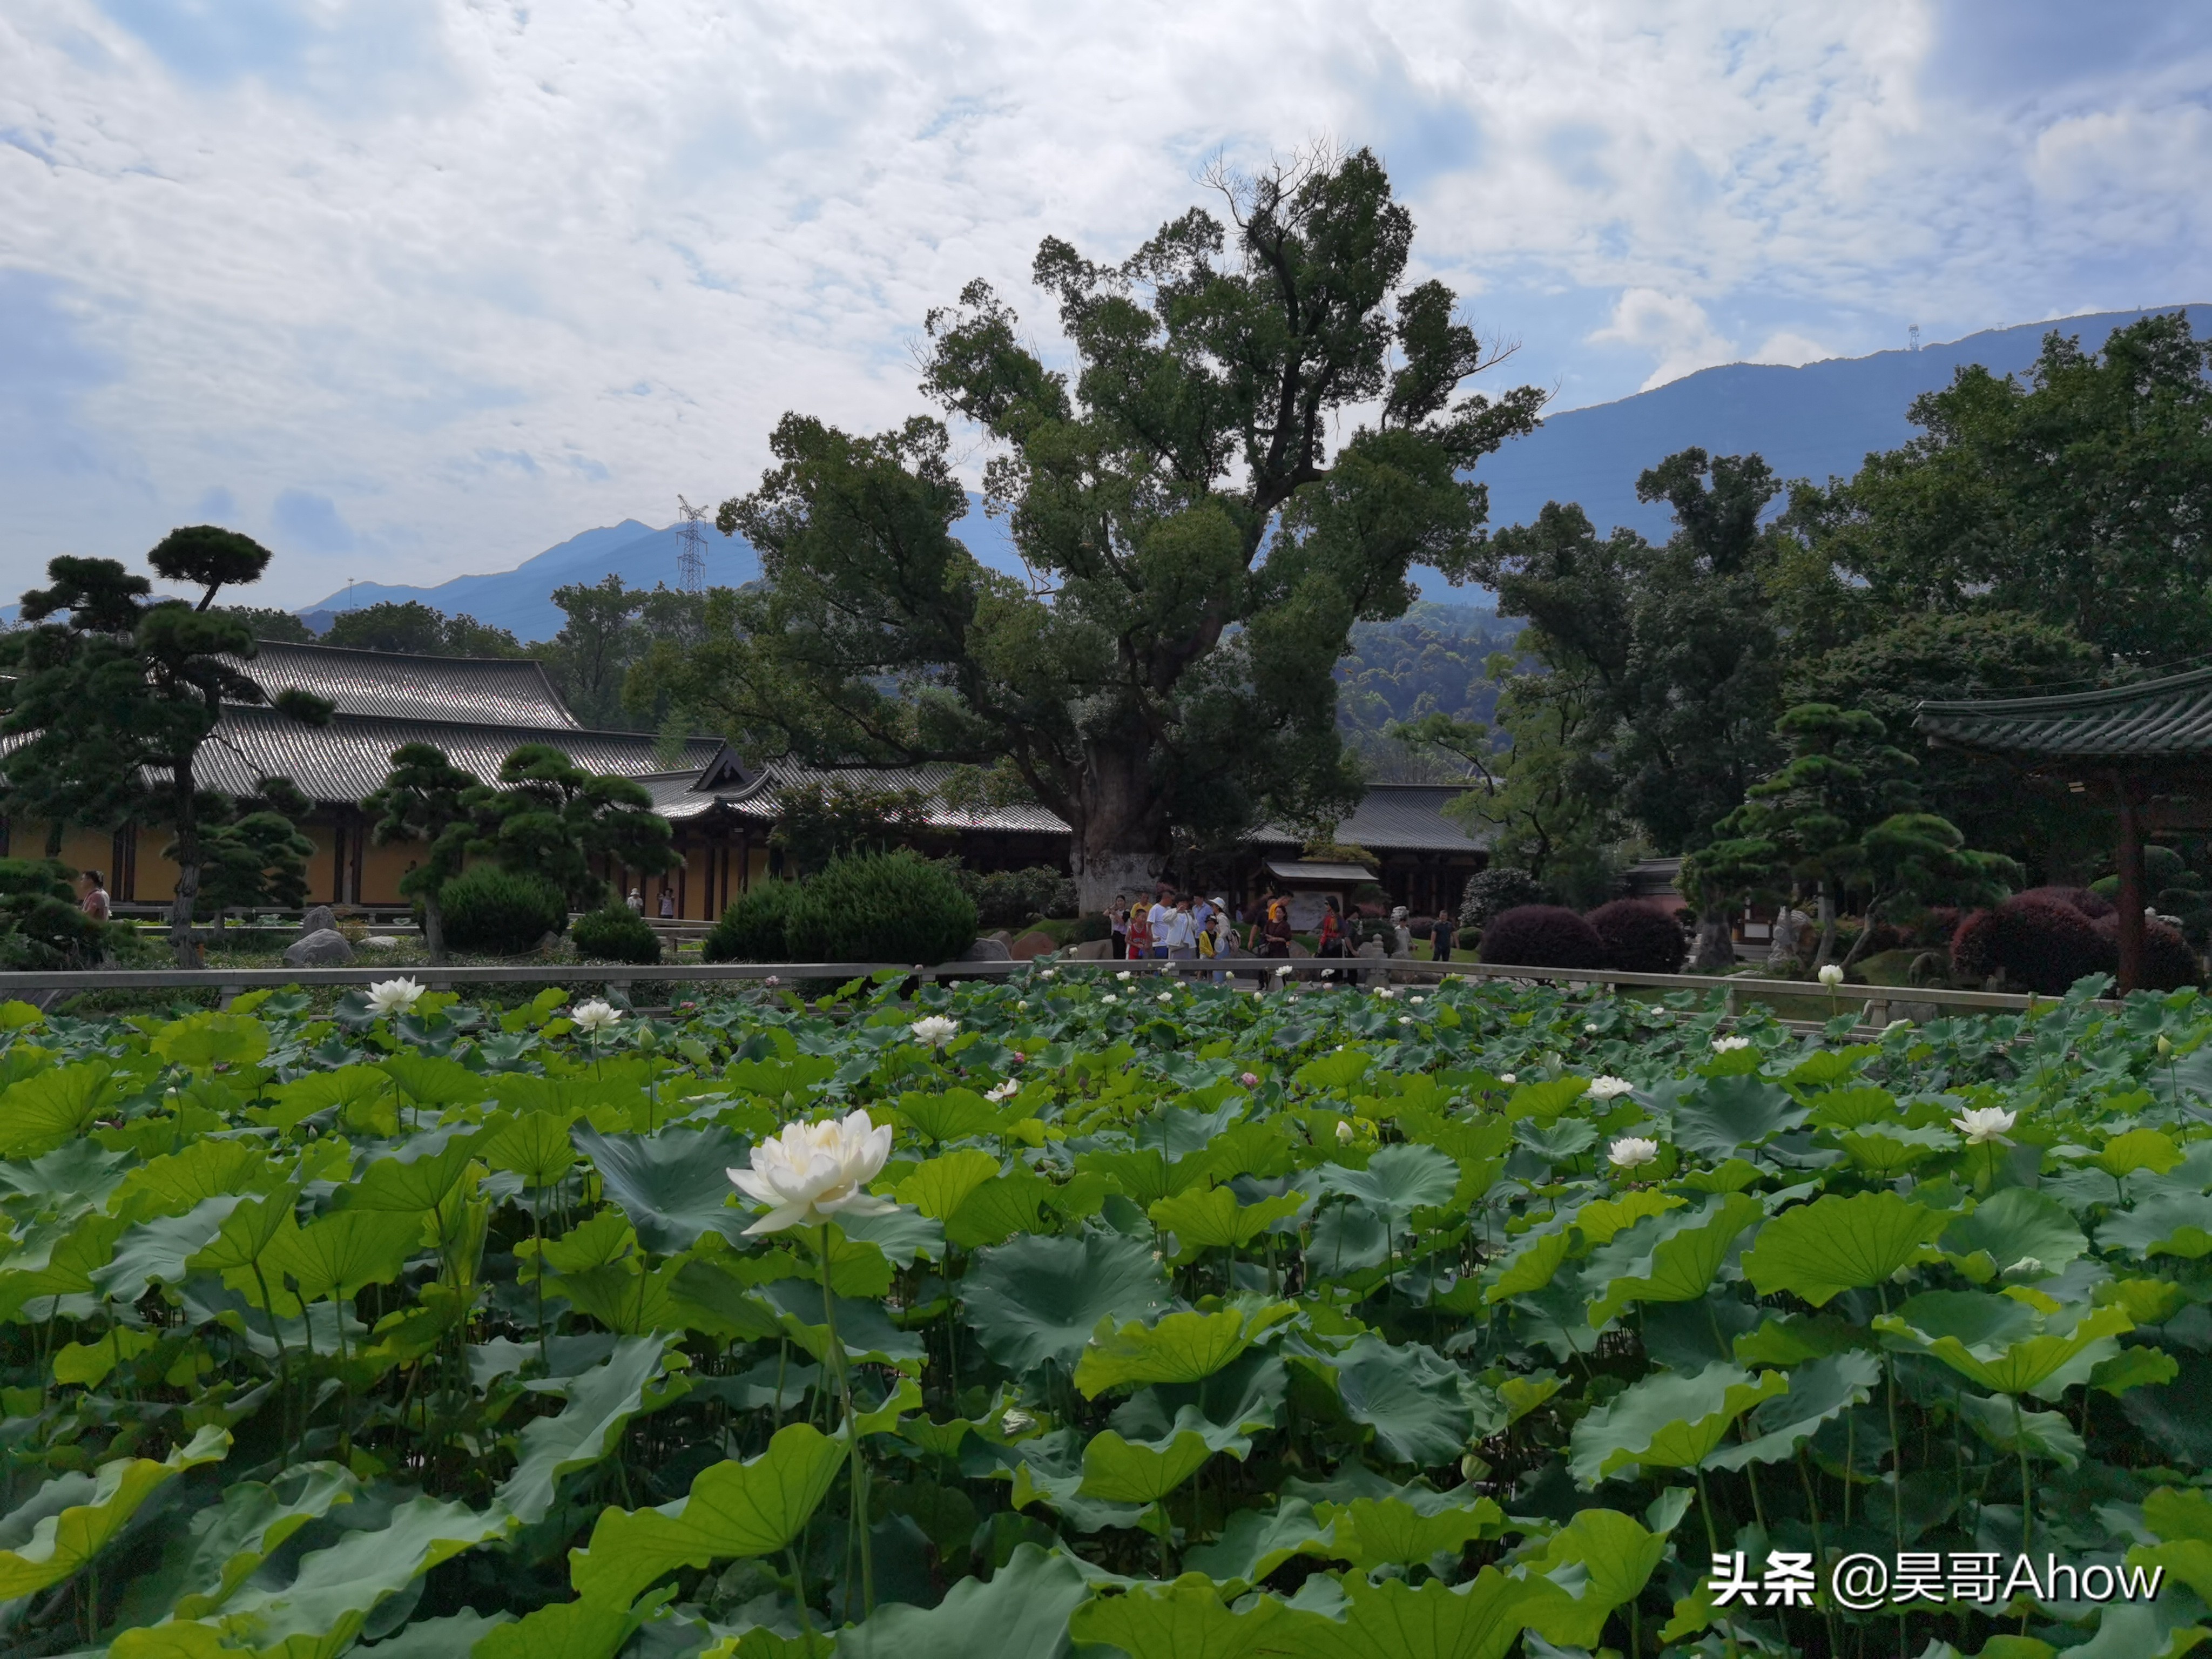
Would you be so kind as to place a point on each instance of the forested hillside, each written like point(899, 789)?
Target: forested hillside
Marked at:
point(1428, 661)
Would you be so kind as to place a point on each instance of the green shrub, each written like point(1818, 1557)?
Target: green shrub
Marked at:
point(616, 933)
point(1496, 890)
point(495, 912)
point(881, 907)
point(752, 929)
point(41, 925)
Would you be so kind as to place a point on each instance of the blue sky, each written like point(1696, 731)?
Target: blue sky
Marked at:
point(409, 288)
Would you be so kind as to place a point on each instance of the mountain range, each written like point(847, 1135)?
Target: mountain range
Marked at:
point(1816, 420)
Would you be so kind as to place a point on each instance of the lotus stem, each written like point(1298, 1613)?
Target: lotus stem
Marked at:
point(835, 1351)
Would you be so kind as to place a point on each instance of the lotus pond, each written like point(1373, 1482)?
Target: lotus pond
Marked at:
point(1174, 1323)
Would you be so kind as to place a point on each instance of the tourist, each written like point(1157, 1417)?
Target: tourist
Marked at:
point(1441, 932)
point(1139, 932)
point(1117, 926)
point(95, 903)
point(1275, 931)
point(636, 902)
point(1331, 942)
point(667, 903)
point(1179, 939)
point(1156, 921)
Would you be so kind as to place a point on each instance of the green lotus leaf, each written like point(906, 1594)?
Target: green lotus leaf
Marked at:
point(583, 1629)
point(59, 1260)
point(673, 1184)
point(1022, 1613)
point(1835, 1244)
point(156, 1252)
point(1122, 1471)
point(1478, 1620)
point(1254, 1542)
point(2134, 1368)
point(955, 1114)
point(434, 1080)
point(53, 1107)
point(69, 1534)
point(341, 1252)
point(1820, 1391)
point(1602, 1219)
point(1212, 1219)
point(2002, 1423)
point(177, 1182)
point(1725, 1114)
point(998, 1209)
point(2000, 1351)
point(1557, 1142)
point(1893, 1148)
point(2138, 1149)
point(1414, 1399)
point(247, 1235)
point(903, 1235)
point(938, 1186)
point(1825, 1066)
point(1144, 1176)
point(1616, 1555)
point(1671, 1257)
point(535, 1145)
point(418, 1179)
point(204, 1040)
point(231, 1539)
point(1845, 1110)
point(600, 1403)
point(1668, 1420)
point(1182, 1347)
point(733, 1509)
point(1039, 1298)
point(2163, 1224)
point(2018, 1224)
point(1522, 1394)
point(1185, 1619)
point(1534, 1259)
point(1227, 1409)
point(1398, 1180)
point(1375, 1532)
point(363, 1095)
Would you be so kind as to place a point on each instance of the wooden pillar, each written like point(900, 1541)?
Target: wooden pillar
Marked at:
point(2131, 887)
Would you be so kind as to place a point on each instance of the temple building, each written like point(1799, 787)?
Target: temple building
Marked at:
point(722, 809)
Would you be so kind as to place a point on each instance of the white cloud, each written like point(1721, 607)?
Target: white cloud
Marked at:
point(1788, 346)
point(475, 276)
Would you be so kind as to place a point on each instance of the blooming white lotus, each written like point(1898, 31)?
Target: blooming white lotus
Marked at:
point(1831, 975)
point(934, 1030)
point(1006, 1090)
point(1124, 975)
point(1728, 1045)
point(1405, 1019)
point(1165, 996)
point(1417, 1002)
point(1507, 1077)
point(1984, 1124)
point(594, 1017)
point(1109, 997)
point(1605, 1088)
point(1284, 971)
point(388, 997)
point(1016, 1421)
point(1345, 1132)
point(1385, 991)
point(1050, 973)
point(1590, 1030)
point(1633, 1152)
point(808, 1173)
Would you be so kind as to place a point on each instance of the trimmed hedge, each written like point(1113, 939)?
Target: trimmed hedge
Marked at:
point(495, 912)
point(2044, 944)
point(1541, 936)
point(2168, 963)
point(616, 933)
point(881, 907)
point(753, 929)
point(1494, 891)
point(2091, 905)
point(1638, 937)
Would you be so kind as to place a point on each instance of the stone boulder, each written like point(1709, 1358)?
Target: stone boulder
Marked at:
point(318, 920)
point(327, 947)
point(987, 950)
point(1031, 945)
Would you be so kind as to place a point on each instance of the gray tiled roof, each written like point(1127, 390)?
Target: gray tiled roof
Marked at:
point(2168, 718)
point(347, 759)
point(677, 797)
point(477, 690)
point(1394, 817)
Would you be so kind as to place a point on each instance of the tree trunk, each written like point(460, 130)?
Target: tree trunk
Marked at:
point(1119, 843)
point(1874, 901)
point(433, 929)
point(1827, 951)
point(181, 938)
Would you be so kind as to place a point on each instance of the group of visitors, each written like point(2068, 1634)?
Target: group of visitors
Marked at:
point(1181, 925)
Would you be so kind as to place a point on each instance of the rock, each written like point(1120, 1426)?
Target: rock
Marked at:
point(327, 947)
point(1093, 949)
point(1031, 945)
point(318, 920)
point(380, 942)
point(987, 950)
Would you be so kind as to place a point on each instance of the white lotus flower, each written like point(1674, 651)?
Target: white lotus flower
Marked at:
point(1021, 1007)
point(1006, 1090)
point(1405, 1019)
point(1508, 1077)
point(393, 996)
point(2028, 1267)
point(1345, 1132)
point(1831, 975)
point(1048, 973)
point(1385, 991)
point(1633, 1152)
point(1417, 1002)
point(1729, 1044)
point(1282, 972)
point(1605, 1088)
point(594, 1017)
point(934, 1030)
point(1109, 997)
point(1165, 996)
point(810, 1172)
point(1984, 1124)
point(2165, 1046)
point(1124, 975)
point(1016, 1421)
point(1590, 1030)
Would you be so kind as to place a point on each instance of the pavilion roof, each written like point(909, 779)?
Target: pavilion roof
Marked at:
point(2168, 719)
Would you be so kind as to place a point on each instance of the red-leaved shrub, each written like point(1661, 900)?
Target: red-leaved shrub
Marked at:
point(1639, 936)
point(2044, 944)
point(1974, 947)
point(2094, 906)
point(2168, 963)
point(1541, 936)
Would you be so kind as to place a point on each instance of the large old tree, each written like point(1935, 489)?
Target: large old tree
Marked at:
point(1261, 431)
